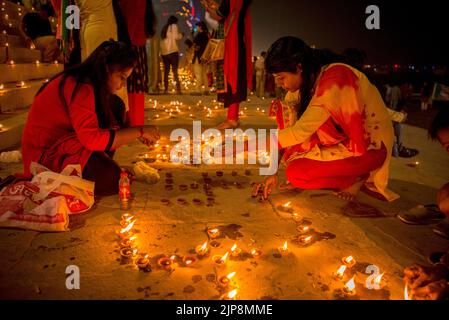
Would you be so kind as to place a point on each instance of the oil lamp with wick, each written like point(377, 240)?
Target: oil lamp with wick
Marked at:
point(143, 262)
point(127, 254)
point(256, 253)
point(379, 282)
point(349, 261)
point(213, 233)
point(220, 260)
point(284, 251)
point(202, 250)
point(286, 207)
point(235, 251)
point(188, 261)
point(127, 231)
point(226, 280)
point(296, 217)
point(305, 239)
point(231, 295)
point(303, 229)
point(349, 288)
point(339, 274)
point(128, 242)
point(166, 263)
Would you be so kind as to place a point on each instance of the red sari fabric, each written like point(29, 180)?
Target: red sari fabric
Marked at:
point(232, 47)
point(56, 136)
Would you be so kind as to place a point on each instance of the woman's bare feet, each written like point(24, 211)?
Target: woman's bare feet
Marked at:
point(228, 124)
point(351, 192)
point(287, 186)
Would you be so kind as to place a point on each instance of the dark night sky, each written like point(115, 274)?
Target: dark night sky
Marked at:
point(409, 32)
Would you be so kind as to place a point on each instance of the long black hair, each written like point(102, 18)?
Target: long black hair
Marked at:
point(110, 56)
point(171, 20)
point(287, 53)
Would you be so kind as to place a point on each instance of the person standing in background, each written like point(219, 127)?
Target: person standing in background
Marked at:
point(200, 68)
point(170, 35)
point(136, 26)
point(237, 68)
point(260, 75)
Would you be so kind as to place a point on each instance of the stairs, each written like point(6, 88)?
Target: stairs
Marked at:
point(21, 75)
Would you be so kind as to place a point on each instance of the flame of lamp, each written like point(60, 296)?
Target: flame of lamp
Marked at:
point(284, 249)
point(202, 250)
point(235, 251)
point(349, 288)
point(189, 261)
point(231, 295)
point(349, 261)
point(226, 280)
point(340, 272)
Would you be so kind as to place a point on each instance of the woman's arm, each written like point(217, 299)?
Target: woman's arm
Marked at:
point(150, 134)
point(212, 8)
point(312, 119)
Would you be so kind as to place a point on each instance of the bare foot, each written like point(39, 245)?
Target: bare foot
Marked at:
point(228, 124)
point(351, 192)
point(287, 186)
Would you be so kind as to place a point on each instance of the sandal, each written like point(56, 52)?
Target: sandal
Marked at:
point(408, 153)
point(423, 215)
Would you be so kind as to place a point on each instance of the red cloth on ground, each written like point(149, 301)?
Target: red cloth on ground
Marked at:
point(232, 48)
point(339, 174)
point(136, 111)
point(134, 14)
point(233, 111)
point(58, 136)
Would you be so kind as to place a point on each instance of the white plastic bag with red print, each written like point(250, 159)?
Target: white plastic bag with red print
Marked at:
point(45, 203)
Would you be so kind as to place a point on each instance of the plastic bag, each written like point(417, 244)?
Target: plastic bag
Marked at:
point(11, 157)
point(143, 172)
point(45, 203)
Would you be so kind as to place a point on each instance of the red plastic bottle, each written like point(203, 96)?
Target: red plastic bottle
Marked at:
point(124, 190)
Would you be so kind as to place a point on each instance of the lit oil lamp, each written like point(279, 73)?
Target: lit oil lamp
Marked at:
point(127, 231)
point(284, 249)
point(339, 274)
point(143, 262)
point(1, 127)
point(286, 207)
point(303, 229)
point(231, 295)
point(125, 222)
point(166, 263)
point(256, 253)
point(189, 261)
point(379, 282)
point(127, 254)
point(202, 250)
point(220, 260)
point(349, 261)
point(20, 84)
point(128, 242)
point(349, 288)
point(235, 251)
point(305, 239)
point(2, 86)
point(226, 280)
point(296, 217)
point(213, 233)
point(38, 62)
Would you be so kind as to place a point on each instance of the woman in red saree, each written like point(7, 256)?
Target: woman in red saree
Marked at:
point(335, 131)
point(76, 118)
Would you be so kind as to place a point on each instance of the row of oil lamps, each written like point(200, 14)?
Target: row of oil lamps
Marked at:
point(129, 253)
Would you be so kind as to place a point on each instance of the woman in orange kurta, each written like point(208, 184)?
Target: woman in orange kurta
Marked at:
point(334, 129)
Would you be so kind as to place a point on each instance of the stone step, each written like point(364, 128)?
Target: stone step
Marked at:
point(12, 40)
point(19, 55)
point(12, 129)
point(28, 71)
point(13, 98)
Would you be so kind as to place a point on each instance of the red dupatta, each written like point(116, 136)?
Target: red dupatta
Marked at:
point(232, 49)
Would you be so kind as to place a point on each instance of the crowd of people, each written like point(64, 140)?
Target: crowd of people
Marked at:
point(335, 128)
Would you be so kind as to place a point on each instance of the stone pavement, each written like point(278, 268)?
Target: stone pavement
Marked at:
point(33, 264)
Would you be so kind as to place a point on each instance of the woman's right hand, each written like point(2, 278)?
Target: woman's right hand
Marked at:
point(151, 134)
point(267, 186)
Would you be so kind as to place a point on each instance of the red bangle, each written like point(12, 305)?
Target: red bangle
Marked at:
point(141, 132)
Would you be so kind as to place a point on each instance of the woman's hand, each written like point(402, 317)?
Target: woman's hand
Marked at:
point(266, 186)
point(150, 135)
point(420, 276)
